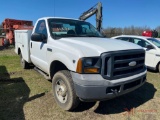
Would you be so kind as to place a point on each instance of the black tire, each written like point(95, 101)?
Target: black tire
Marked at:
point(63, 87)
point(24, 64)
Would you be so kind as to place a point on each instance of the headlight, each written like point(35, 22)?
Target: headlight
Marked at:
point(89, 65)
point(88, 62)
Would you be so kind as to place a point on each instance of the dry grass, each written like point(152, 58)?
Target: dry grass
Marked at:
point(25, 94)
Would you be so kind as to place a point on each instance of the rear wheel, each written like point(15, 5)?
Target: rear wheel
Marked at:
point(64, 92)
point(24, 64)
point(159, 67)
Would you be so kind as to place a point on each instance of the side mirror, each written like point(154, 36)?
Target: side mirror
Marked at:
point(38, 37)
point(150, 47)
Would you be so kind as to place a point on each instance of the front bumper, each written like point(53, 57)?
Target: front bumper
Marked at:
point(91, 87)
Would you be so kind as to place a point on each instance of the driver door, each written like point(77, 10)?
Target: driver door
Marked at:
point(38, 48)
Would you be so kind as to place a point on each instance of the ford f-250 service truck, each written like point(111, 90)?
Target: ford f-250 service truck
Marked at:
point(82, 64)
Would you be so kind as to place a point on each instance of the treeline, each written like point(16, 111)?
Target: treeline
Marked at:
point(132, 30)
point(113, 31)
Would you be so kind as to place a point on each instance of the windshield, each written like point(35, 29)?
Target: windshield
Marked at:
point(155, 41)
point(72, 28)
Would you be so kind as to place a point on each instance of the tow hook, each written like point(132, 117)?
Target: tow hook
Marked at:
point(114, 91)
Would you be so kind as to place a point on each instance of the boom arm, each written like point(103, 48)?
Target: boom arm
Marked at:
point(92, 11)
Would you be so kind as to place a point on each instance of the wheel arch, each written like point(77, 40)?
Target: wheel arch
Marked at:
point(19, 51)
point(158, 66)
point(61, 61)
point(56, 66)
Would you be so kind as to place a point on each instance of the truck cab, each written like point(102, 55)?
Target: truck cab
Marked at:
point(82, 64)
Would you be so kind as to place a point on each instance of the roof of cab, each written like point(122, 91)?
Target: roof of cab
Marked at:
point(58, 18)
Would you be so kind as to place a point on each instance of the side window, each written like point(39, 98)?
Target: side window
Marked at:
point(141, 42)
point(127, 39)
point(119, 38)
point(41, 27)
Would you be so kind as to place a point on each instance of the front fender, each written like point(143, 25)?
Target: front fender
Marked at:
point(69, 62)
point(156, 61)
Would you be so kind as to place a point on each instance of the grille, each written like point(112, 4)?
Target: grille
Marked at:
point(116, 64)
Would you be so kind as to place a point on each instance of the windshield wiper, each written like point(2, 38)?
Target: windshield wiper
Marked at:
point(94, 36)
point(64, 36)
point(74, 35)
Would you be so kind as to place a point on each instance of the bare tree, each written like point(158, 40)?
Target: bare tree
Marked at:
point(131, 30)
point(158, 28)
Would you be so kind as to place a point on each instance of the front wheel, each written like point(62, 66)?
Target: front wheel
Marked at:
point(64, 92)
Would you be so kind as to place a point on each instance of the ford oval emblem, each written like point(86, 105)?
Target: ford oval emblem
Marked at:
point(133, 63)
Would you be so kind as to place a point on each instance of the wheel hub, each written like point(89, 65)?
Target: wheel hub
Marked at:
point(61, 91)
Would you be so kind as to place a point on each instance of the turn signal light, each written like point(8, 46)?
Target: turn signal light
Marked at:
point(91, 70)
point(79, 66)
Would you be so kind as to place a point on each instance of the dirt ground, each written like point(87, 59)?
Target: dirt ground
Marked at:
point(27, 95)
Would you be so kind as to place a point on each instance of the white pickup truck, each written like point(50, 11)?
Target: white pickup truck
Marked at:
point(82, 64)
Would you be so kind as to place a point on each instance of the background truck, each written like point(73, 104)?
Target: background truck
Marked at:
point(9, 25)
point(150, 33)
point(83, 65)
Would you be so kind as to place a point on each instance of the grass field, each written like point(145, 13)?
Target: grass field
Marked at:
point(25, 94)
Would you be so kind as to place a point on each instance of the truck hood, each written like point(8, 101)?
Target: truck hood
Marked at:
point(92, 46)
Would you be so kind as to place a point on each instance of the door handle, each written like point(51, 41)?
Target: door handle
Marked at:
point(31, 44)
